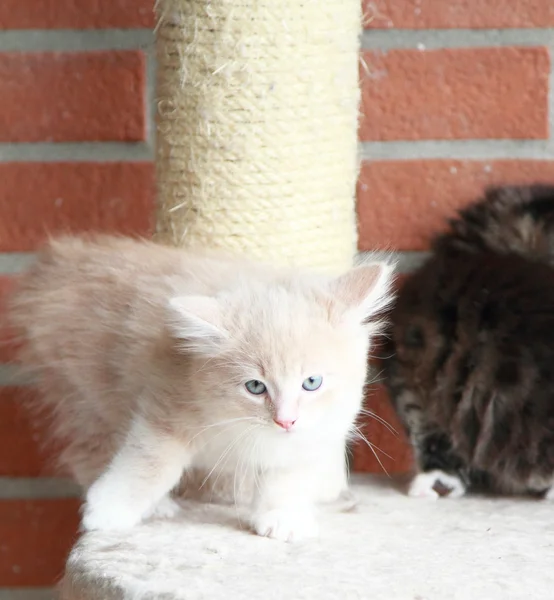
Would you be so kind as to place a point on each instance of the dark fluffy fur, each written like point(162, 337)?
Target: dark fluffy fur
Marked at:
point(470, 362)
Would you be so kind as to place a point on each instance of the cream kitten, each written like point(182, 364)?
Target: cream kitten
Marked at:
point(155, 361)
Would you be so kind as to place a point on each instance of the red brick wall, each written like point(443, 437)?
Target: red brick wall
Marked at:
point(449, 106)
point(76, 152)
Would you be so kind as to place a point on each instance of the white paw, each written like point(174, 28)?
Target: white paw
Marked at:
point(109, 518)
point(422, 487)
point(166, 508)
point(286, 525)
point(109, 510)
point(347, 501)
point(550, 494)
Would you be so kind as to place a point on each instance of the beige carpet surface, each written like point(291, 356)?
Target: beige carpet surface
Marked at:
point(390, 548)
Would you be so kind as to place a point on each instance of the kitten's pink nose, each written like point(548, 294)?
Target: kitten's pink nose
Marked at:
point(286, 425)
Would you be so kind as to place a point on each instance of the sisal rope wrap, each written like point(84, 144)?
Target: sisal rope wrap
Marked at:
point(257, 128)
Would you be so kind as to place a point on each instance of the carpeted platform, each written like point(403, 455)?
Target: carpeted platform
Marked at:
point(390, 547)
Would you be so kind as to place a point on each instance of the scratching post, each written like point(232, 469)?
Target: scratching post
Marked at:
point(257, 110)
point(257, 127)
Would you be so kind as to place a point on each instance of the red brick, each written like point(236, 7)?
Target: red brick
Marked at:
point(7, 341)
point(35, 539)
point(72, 96)
point(402, 204)
point(37, 199)
point(75, 14)
point(391, 452)
point(451, 14)
point(22, 452)
point(455, 94)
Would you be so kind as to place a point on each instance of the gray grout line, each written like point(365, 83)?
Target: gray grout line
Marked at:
point(27, 594)
point(82, 151)
point(10, 375)
point(15, 262)
point(405, 261)
point(150, 96)
point(431, 39)
point(447, 149)
point(388, 39)
point(25, 488)
point(67, 40)
point(459, 150)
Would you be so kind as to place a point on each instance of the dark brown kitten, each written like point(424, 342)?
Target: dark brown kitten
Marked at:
point(470, 362)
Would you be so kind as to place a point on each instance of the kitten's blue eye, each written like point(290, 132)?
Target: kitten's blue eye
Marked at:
point(255, 387)
point(312, 383)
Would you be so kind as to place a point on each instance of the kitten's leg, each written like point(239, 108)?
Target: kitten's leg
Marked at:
point(422, 485)
point(550, 494)
point(284, 509)
point(166, 508)
point(149, 464)
point(332, 482)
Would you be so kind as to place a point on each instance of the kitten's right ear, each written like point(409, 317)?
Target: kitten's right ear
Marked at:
point(366, 289)
point(196, 322)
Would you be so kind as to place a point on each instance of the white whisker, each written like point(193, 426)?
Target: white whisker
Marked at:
point(369, 413)
point(245, 466)
point(373, 447)
point(224, 454)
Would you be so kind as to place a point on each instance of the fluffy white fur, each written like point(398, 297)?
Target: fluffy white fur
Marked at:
point(143, 352)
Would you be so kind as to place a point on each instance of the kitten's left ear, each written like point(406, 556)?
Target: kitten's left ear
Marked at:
point(365, 290)
point(196, 321)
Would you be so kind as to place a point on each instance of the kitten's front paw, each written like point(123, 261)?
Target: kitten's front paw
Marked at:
point(286, 525)
point(347, 501)
point(166, 508)
point(107, 510)
point(109, 518)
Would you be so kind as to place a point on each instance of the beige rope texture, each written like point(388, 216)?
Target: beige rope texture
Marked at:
point(257, 127)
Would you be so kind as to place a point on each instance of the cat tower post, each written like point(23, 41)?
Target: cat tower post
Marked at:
point(257, 112)
point(257, 127)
